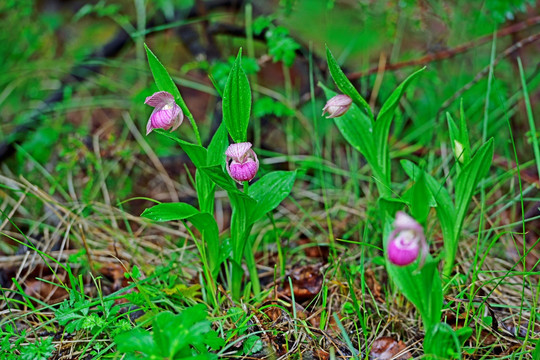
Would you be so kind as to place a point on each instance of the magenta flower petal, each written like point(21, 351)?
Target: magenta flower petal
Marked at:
point(178, 117)
point(166, 115)
point(337, 106)
point(404, 221)
point(243, 172)
point(406, 242)
point(159, 99)
point(242, 163)
point(238, 151)
point(403, 249)
point(149, 127)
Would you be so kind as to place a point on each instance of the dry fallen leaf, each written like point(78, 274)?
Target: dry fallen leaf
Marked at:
point(44, 291)
point(307, 282)
point(313, 250)
point(386, 348)
point(373, 285)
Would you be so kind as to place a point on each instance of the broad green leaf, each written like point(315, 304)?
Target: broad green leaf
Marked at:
point(344, 84)
point(242, 206)
point(383, 122)
point(165, 326)
point(135, 340)
point(196, 153)
point(218, 146)
point(464, 134)
point(213, 340)
point(464, 334)
point(209, 230)
point(446, 212)
point(421, 287)
point(237, 101)
point(357, 128)
point(536, 352)
point(252, 345)
point(206, 189)
point(170, 212)
point(215, 156)
point(468, 180)
point(442, 341)
point(390, 205)
point(270, 191)
point(421, 197)
point(204, 222)
point(164, 81)
point(221, 179)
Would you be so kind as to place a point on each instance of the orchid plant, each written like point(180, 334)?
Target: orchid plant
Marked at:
point(409, 262)
point(218, 165)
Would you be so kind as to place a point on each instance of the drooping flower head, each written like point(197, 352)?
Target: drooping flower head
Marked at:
point(166, 115)
point(337, 106)
point(242, 162)
point(407, 241)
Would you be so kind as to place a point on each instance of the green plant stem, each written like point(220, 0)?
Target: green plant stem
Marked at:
point(252, 267)
point(207, 269)
point(249, 254)
point(534, 137)
point(240, 230)
point(281, 255)
point(236, 280)
point(318, 153)
point(195, 128)
point(141, 27)
point(289, 120)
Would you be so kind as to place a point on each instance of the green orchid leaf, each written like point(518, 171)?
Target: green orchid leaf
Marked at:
point(345, 85)
point(446, 212)
point(270, 191)
point(237, 102)
point(468, 180)
point(204, 222)
point(217, 147)
point(383, 122)
point(215, 156)
point(421, 197)
point(196, 153)
point(169, 212)
point(164, 81)
point(357, 128)
point(442, 341)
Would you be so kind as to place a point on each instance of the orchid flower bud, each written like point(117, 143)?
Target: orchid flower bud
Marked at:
point(407, 241)
point(458, 151)
point(166, 115)
point(242, 163)
point(337, 106)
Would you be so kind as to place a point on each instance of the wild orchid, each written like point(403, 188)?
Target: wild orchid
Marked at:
point(337, 106)
point(242, 163)
point(166, 115)
point(403, 238)
point(407, 241)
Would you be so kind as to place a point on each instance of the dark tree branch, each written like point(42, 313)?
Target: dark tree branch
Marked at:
point(449, 53)
point(91, 66)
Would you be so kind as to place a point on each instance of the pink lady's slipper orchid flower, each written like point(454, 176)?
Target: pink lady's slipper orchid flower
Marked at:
point(407, 241)
point(242, 162)
point(337, 106)
point(166, 115)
